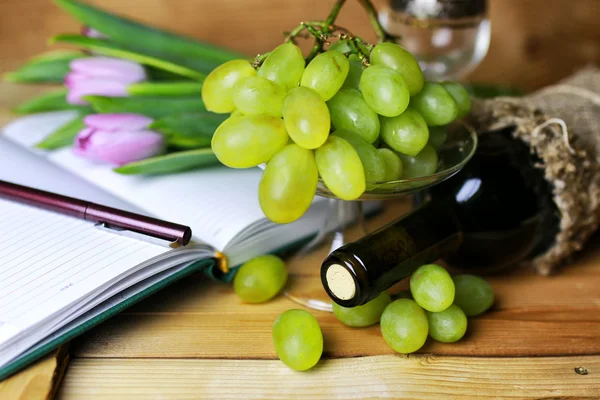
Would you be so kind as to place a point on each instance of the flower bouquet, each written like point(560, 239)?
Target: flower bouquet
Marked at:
point(350, 117)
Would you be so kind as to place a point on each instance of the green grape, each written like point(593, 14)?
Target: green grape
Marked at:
point(372, 161)
point(245, 142)
point(236, 113)
point(326, 73)
point(342, 45)
point(397, 58)
point(460, 95)
point(423, 164)
point(340, 168)
point(432, 287)
point(255, 95)
point(384, 90)
point(288, 184)
point(218, 85)
point(473, 294)
point(447, 326)
point(437, 136)
point(298, 339)
point(435, 104)
point(284, 65)
point(407, 133)
point(365, 315)
point(260, 279)
point(393, 165)
point(306, 117)
point(404, 326)
point(354, 72)
point(350, 112)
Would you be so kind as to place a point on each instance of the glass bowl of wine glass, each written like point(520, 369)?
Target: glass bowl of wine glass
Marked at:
point(346, 220)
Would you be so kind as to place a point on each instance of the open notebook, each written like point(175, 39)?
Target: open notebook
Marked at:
point(59, 275)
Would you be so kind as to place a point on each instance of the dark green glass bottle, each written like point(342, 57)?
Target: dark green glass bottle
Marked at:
point(495, 212)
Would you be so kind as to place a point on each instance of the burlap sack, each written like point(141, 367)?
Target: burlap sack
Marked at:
point(561, 123)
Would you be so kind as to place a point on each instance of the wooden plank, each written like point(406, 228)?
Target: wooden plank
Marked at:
point(533, 315)
point(39, 381)
point(425, 377)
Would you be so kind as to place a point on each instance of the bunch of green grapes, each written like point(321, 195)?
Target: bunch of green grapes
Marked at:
point(343, 118)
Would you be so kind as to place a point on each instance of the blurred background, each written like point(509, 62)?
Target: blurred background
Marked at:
point(533, 42)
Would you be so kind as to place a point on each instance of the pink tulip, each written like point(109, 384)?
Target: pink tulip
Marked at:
point(92, 33)
point(117, 139)
point(103, 76)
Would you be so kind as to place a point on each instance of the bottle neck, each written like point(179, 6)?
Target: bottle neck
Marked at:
point(377, 261)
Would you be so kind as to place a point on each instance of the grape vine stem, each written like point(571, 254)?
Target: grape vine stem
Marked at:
point(382, 35)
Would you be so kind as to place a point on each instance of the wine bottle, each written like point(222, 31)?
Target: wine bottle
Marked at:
point(495, 212)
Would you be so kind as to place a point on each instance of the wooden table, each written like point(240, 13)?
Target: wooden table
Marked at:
point(197, 340)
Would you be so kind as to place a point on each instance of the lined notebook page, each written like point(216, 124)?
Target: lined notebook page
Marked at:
point(217, 203)
point(50, 261)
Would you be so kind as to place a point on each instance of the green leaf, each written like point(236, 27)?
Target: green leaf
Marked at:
point(189, 130)
point(165, 88)
point(114, 50)
point(64, 135)
point(154, 107)
point(170, 163)
point(53, 100)
point(158, 43)
point(51, 67)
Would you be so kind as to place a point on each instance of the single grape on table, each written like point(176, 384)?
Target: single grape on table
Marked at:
point(366, 315)
point(432, 287)
point(365, 113)
point(260, 279)
point(473, 294)
point(447, 326)
point(404, 326)
point(298, 339)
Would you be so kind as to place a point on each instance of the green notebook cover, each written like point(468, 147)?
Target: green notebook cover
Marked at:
point(208, 266)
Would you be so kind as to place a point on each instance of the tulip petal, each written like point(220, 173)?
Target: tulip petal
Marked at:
point(120, 147)
point(108, 67)
point(95, 86)
point(118, 122)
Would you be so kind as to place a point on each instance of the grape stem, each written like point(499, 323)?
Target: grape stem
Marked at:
point(259, 59)
point(322, 30)
point(382, 35)
point(334, 13)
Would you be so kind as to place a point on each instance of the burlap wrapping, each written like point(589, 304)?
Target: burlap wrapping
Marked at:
point(561, 123)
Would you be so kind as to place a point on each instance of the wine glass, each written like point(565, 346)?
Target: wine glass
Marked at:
point(449, 38)
point(345, 220)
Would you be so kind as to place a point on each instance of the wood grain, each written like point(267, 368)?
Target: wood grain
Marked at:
point(38, 382)
point(422, 377)
point(534, 42)
point(532, 316)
